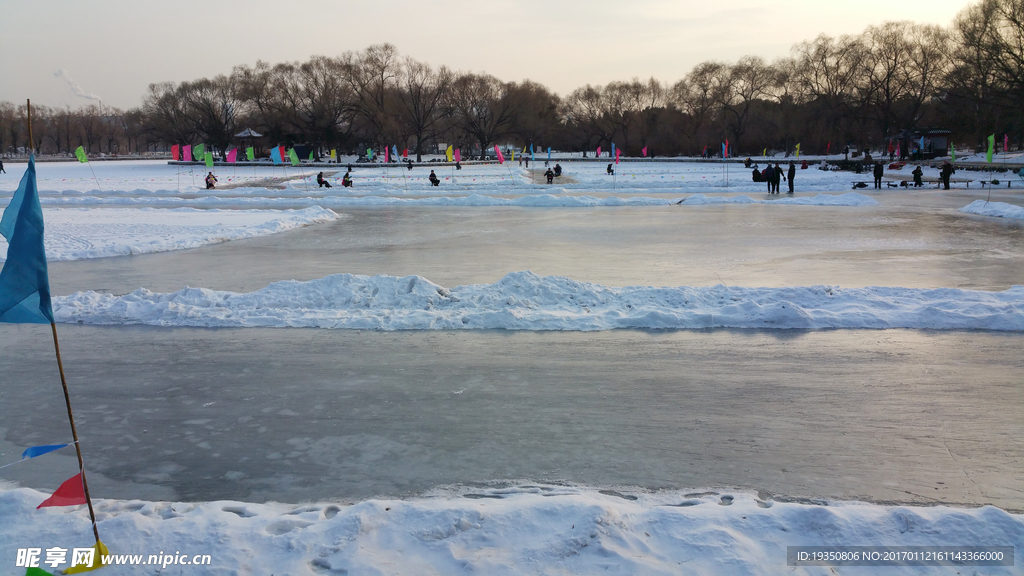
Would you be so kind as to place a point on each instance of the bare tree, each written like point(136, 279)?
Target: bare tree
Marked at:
point(422, 99)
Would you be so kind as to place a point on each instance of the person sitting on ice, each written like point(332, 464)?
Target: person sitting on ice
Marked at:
point(433, 179)
point(211, 181)
point(558, 169)
point(917, 176)
point(346, 180)
point(550, 176)
point(409, 164)
point(610, 171)
point(756, 175)
point(320, 180)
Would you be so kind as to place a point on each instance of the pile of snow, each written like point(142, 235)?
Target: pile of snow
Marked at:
point(532, 529)
point(998, 209)
point(526, 301)
point(79, 233)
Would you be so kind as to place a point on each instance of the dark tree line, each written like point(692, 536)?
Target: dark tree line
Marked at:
point(860, 89)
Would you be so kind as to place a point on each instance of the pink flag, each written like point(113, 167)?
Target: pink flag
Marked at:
point(618, 153)
point(501, 157)
point(174, 152)
point(458, 155)
point(598, 151)
point(387, 155)
point(70, 493)
point(644, 151)
point(186, 153)
point(233, 155)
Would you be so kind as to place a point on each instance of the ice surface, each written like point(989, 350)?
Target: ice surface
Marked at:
point(526, 301)
point(81, 233)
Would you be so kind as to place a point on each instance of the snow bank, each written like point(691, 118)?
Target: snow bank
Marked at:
point(532, 529)
point(80, 233)
point(847, 199)
point(998, 209)
point(476, 199)
point(526, 301)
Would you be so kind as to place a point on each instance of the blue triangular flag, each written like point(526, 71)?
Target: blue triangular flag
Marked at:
point(24, 282)
point(40, 450)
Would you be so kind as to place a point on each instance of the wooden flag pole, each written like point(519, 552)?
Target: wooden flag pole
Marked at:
point(74, 432)
point(64, 383)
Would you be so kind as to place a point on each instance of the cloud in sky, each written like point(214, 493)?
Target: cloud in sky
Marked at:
point(119, 47)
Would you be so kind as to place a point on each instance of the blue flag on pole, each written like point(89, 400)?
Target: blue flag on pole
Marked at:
point(24, 281)
point(549, 153)
point(532, 157)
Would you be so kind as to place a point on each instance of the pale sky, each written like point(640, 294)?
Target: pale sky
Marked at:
point(114, 49)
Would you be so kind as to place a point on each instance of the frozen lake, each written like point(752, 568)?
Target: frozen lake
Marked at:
point(300, 414)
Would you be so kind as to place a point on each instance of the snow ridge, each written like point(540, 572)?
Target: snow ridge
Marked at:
point(526, 301)
point(997, 209)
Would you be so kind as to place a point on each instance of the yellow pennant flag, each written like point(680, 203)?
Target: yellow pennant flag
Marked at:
point(449, 153)
point(797, 150)
point(99, 552)
point(513, 155)
point(765, 153)
point(334, 154)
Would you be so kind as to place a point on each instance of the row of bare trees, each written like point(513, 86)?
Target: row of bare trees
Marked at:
point(968, 77)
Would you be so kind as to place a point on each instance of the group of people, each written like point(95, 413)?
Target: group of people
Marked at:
point(772, 175)
point(945, 173)
point(552, 174)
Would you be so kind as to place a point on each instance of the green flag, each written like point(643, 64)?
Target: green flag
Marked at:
point(80, 154)
point(952, 151)
point(311, 155)
point(250, 154)
point(293, 156)
point(369, 153)
point(197, 152)
point(208, 158)
point(991, 148)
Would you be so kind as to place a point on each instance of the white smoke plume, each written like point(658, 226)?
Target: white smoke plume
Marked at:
point(62, 73)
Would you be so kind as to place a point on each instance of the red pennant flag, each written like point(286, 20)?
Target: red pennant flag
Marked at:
point(70, 493)
point(174, 152)
point(405, 153)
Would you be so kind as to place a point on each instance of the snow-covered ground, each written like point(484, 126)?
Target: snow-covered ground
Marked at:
point(158, 182)
point(526, 301)
point(79, 233)
point(519, 530)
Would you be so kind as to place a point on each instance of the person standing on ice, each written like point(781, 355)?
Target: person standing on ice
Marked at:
point(769, 176)
point(2, 171)
point(211, 181)
point(792, 175)
point(879, 172)
point(947, 171)
point(917, 176)
point(778, 177)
